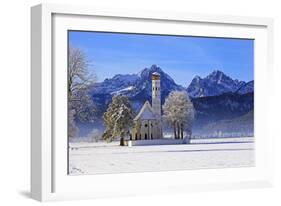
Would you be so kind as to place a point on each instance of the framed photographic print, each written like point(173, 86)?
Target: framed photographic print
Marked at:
point(135, 102)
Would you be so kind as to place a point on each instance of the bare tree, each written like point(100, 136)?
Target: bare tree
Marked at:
point(79, 77)
point(179, 113)
point(80, 104)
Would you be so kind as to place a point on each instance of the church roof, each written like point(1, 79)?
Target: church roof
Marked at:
point(146, 112)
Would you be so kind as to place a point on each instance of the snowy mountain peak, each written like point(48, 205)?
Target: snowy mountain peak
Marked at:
point(197, 78)
point(217, 75)
point(117, 83)
point(167, 83)
point(148, 71)
point(126, 77)
point(216, 72)
point(216, 83)
point(154, 66)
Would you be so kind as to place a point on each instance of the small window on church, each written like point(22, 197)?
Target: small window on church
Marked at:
point(145, 125)
point(145, 136)
point(151, 136)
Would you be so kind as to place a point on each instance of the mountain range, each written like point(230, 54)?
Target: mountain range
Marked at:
point(217, 83)
point(216, 97)
point(132, 85)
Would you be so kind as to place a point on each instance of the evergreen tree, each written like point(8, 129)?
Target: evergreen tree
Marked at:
point(118, 119)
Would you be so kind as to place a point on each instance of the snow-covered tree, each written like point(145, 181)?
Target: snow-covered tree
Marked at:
point(179, 113)
point(72, 128)
point(79, 76)
point(80, 104)
point(118, 119)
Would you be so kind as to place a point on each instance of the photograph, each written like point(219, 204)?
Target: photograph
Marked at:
point(156, 102)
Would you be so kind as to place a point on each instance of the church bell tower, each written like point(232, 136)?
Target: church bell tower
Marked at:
point(156, 94)
point(156, 103)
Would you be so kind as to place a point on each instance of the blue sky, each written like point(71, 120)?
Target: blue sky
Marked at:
point(181, 57)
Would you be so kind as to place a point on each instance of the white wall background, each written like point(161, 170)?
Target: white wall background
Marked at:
point(15, 95)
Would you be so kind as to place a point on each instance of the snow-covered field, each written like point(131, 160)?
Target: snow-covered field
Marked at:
point(86, 158)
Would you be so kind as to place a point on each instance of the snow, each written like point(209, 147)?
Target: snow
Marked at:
point(222, 140)
point(95, 158)
point(220, 78)
point(118, 82)
point(123, 90)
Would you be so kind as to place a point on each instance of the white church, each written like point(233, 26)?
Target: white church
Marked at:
point(148, 123)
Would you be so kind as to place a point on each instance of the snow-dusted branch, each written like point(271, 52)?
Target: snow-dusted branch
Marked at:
point(179, 113)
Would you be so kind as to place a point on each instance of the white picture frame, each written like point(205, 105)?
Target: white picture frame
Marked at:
point(49, 180)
